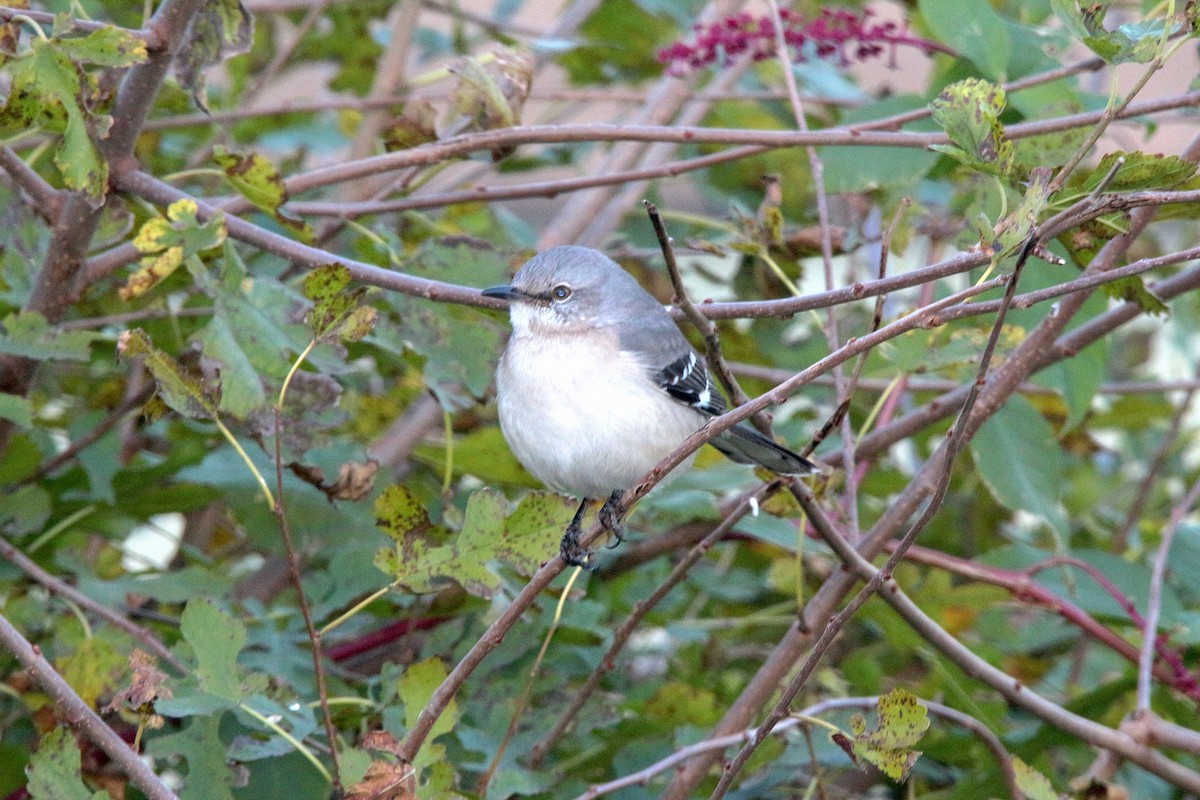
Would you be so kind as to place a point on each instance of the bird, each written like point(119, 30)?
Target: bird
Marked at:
point(597, 385)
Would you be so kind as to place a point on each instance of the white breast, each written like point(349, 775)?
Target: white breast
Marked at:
point(584, 418)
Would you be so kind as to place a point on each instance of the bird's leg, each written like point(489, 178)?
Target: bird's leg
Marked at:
point(571, 551)
point(610, 517)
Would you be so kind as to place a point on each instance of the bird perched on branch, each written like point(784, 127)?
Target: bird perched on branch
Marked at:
point(597, 385)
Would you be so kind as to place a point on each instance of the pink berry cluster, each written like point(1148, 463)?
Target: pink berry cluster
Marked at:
point(839, 33)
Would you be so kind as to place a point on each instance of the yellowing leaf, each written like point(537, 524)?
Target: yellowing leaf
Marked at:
point(969, 112)
point(902, 723)
point(337, 313)
point(1033, 784)
point(179, 389)
point(167, 245)
point(524, 540)
point(257, 179)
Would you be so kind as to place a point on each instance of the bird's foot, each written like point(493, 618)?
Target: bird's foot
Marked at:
point(610, 517)
point(572, 552)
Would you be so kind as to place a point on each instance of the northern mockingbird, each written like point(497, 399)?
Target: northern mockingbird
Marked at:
point(597, 385)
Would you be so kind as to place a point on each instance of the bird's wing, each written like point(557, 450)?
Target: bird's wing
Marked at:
point(687, 380)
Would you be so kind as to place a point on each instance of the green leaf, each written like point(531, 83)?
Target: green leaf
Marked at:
point(105, 47)
point(48, 89)
point(969, 111)
point(1134, 41)
point(78, 160)
point(1033, 784)
point(17, 409)
point(179, 389)
point(1133, 290)
point(93, 670)
point(973, 29)
point(902, 723)
point(620, 42)
point(526, 540)
point(169, 242)
point(1012, 231)
point(1021, 461)
point(337, 313)
point(857, 169)
point(416, 686)
point(1136, 171)
point(29, 335)
point(257, 179)
point(55, 771)
point(242, 391)
point(209, 776)
point(25, 510)
point(217, 638)
point(460, 345)
point(220, 29)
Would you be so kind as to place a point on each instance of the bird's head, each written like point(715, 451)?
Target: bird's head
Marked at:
point(569, 289)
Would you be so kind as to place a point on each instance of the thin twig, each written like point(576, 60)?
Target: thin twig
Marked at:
point(1154, 596)
point(30, 567)
point(623, 631)
point(80, 716)
point(943, 462)
point(294, 571)
point(47, 200)
point(1142, 495)
point(706, 327)
point(643, 776)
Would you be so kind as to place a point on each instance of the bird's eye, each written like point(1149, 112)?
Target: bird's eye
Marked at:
point(561, 292)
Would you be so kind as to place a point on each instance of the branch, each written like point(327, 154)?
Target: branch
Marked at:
point(151, 37)
point(640, 610)
point(57, 286)
point(1154, 600)
point(80, 716)
point(718, 744)
point(1012, 689)
point(47, 200)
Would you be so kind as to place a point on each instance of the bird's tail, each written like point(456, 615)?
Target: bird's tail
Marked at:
point(747, 446)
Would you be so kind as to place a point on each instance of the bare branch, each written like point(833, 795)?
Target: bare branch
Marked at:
point(79, 715)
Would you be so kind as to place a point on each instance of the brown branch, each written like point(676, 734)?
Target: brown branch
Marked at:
point(614, 95)
point(705, 326)
point(1012, 689)
point(80, 716)
point(1034, 353)
point(57, 286)
point(937, 470)
point(709, 746)
point(61, 587)
point(151, 36)
point(47, 200)
point(91, 437)
point(481, 193)
point(151, 188)
point(623, 631)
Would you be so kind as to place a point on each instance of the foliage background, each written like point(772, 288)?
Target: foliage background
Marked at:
point(132, 521)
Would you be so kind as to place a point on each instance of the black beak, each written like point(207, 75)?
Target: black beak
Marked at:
point(504, 293)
